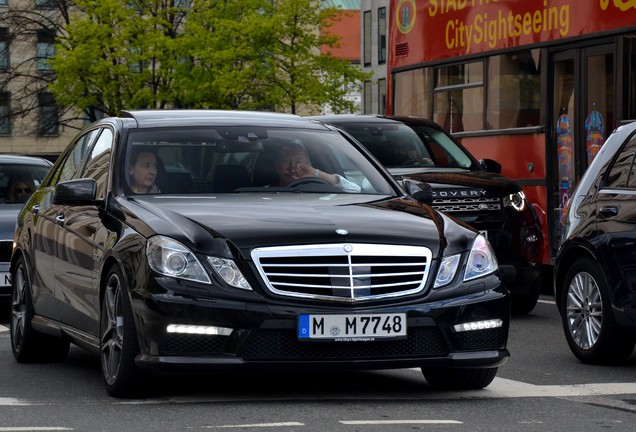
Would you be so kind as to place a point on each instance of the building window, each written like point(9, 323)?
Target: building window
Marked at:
point(45, 4)
point(382, 35)
point(4, 48)
point(48, 119)
point(45, 50)
point(382, 96)
point(368, 98)
point(5, 121)
point(367, 37)
point(182, 4)
point(92, 115)
point(4, 2)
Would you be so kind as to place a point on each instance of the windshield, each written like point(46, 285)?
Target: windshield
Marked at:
point(399, 145)
point(247, 159)
point(19, 181)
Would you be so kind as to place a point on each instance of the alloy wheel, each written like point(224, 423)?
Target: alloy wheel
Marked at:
point(584, 310)
point(112, 329)
point(19, 308)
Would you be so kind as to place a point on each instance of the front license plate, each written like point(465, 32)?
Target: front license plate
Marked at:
point(5, 279)
point(352, 327)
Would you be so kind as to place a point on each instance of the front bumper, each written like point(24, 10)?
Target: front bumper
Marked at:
point(265, 335)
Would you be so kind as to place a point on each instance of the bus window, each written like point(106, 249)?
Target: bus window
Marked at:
point(459, 97)
point(514, 90)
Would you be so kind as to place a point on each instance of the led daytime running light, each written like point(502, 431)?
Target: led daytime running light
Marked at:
point(478, 325)
point(201, 330)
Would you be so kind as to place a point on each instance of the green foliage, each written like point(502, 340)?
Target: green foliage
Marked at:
point(222, 54)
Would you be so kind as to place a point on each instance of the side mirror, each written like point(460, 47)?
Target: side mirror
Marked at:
point(422, 192)
point(79, 191)
point(490, 165)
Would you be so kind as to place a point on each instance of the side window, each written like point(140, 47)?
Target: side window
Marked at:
point(623, 173)
point(98, 164)
point(71, 165)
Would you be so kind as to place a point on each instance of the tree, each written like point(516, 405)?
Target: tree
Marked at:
point(224, 54)
point(117, 55)
point(300, 74)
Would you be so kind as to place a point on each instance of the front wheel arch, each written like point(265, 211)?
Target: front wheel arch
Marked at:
point(565, 262)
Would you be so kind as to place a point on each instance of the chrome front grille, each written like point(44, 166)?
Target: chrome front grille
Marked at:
point(344, 272)
point(454, 205)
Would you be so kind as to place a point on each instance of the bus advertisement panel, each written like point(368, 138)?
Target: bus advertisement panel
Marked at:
point(437, 29)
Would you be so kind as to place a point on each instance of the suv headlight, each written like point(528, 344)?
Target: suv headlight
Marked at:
point(171, 258)
point(481, 262)
point(515, 200)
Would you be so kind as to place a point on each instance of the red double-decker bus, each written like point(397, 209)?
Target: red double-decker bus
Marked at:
point(537, 85)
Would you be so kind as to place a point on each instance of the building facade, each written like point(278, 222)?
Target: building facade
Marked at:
point(30, 120)
point(374, 21)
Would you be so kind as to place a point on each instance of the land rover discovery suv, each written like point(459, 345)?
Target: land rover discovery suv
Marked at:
point(470, 190)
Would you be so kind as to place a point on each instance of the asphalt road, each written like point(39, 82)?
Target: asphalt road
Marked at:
point(542, 388)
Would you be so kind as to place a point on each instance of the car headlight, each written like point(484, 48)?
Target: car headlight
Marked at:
point(171, 258)
point(515, 200)
point(230, 273)
point(481, 261)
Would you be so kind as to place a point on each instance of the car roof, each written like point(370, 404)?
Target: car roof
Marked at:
point(18, 159)
point(374, 118)
point(153, 118)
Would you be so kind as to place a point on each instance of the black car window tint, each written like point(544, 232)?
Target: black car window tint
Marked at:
point(631, 180)
point(98, 163)
point(69, 168)
point(618, 174)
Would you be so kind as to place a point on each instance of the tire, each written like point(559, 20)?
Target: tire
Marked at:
point(586, 313)
point(118, 340)
point(28, 345)
point(459, 379)
point(523, 304)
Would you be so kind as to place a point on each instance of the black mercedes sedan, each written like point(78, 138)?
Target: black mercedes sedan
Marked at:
point(191, 240)
point(595, 267)
point(470, 190)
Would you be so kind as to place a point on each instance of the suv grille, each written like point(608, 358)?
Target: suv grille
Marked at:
point(454, 205)
point(344, 272)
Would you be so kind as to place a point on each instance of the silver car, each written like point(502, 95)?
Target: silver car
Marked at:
point(19, 176)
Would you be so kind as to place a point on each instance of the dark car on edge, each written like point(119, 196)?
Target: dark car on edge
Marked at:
point(224, 268)
point(19, 175)
point(595, 266)
point(469, 190)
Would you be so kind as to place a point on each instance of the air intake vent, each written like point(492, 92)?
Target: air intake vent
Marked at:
point(344, 272)
point(402, 49)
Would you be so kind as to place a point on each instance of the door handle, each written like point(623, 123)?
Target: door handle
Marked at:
point(35, 209)
point(608, 211)
point(60, 220)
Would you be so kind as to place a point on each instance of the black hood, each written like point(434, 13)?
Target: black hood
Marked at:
point(237, 224)
point(455, 183)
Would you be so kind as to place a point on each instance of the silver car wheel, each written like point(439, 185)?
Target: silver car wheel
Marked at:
point(112, 329)
point(584, 310)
